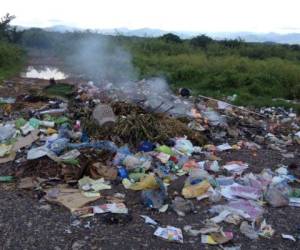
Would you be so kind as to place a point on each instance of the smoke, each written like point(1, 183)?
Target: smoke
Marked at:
point(110, 68)
point(100, 59)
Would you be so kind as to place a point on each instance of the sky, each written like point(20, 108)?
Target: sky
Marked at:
point(281, 16)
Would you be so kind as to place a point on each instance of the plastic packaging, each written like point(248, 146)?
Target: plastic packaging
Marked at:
point(59, 145)
point(184, 146)
point(196, 190)
point(146, 146)
point(149, 182)
point(88, 184)
point(6, 178)
point(276, 198)
point(153, 198)
point(122, 172)
point(169, 233)
point(6, 132)
point(105, 145)
point(20, 123)
point(165, 149)
point(104, 114)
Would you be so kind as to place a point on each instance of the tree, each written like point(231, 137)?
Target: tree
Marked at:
point(232, 43)
point(5, 28)
point(7, 32)
point(36, 38)
point(170, 37)
point(201, 41)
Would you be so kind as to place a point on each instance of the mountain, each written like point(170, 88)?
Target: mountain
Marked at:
point(62, 28)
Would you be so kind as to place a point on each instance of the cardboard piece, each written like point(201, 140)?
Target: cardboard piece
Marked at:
point(68, 197)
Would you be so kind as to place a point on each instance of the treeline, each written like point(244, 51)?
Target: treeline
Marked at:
point(11, 55)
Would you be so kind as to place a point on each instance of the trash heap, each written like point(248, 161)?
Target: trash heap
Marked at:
point(72, 152)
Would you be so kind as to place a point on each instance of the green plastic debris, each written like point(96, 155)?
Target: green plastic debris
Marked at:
point(71, 162)
point(48, 117)
point(165, 149)
point(61, 120)
point(7, 178)
point(20, 123)
point(295, 193)
point(34, 123)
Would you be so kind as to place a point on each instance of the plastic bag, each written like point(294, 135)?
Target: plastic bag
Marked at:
point(149, 182)
point(6, 132)
point(184, 146)
point(196, 190)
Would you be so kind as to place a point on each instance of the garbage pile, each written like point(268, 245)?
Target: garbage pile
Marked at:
point(73, 152)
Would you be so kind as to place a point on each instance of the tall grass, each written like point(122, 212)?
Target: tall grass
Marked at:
point(11, 59)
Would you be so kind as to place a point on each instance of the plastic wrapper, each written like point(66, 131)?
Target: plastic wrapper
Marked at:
point(169, 233)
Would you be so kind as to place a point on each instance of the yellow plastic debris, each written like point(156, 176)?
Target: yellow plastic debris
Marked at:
point(196, 190)
point(149, 182)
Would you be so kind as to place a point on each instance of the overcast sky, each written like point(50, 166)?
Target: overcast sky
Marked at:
point(178, 15)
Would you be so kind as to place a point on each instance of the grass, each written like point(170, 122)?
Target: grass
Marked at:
point(255, 81)
point(12, 59)
point(60, 89)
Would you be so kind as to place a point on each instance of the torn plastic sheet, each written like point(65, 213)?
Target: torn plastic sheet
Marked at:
point(288, 237)
point(222, 216)
point(294, 202)
point(6, 132)
point(236, 167)
point(88, 184)
point(236, 190)
point(248, 209)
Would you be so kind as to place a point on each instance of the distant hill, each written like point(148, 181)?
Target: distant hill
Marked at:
point(61, 28)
